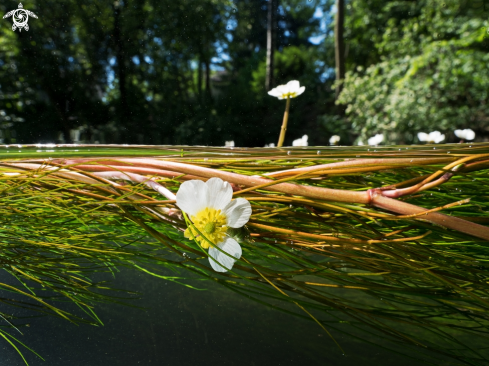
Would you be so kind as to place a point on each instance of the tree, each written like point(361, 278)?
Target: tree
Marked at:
point(270, 44)
point(339, 45)
point(431, 74)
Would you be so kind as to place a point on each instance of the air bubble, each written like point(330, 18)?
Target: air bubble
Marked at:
point(288, 152)
point(318, 152)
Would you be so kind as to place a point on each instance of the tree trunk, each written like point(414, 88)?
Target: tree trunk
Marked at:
point(270, 45)
point(121, 69)
point(199, 79)
point(339, 44)
point(208, 78)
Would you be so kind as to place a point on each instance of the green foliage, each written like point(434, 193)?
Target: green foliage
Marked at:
point(354, 267)
point(135, 71)
point(292, 63)
point(430, 73)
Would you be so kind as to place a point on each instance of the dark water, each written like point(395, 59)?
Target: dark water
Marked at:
point(181, 326)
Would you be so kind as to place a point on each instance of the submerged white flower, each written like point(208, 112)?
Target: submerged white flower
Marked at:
point(300, 142)
point(292, 89)
point(212, 211)
point(434, 136)
point(333, 140)
point(466, 134)
point(375, 140)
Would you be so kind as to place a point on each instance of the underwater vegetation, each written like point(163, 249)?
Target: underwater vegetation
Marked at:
point(391, 242)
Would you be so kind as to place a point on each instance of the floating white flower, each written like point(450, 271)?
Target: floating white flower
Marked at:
point(291, 90)
point(375, 140)
point(229, 143)
point(270, 145)
point(212, 211)
point(333, 140)
point(434, 136)
point(300, 142)
point(466, 134)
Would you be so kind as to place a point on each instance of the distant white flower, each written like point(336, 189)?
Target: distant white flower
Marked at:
point(75, 134)
point(360, 143)
point(229, 143)
point(270, 145)
point(466, 134)
point(292, 89)
point(434, 136)
point(212, 211)
point(333, 140)
point(300, 142)
point(375, 140)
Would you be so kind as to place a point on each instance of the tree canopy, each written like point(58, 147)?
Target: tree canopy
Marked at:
point(194, 72)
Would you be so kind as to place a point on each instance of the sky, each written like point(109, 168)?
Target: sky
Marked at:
point(222, 54)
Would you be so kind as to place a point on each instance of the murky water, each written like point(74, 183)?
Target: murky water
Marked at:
point(181, 326)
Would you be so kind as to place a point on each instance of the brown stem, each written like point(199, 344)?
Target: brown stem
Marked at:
point(284, 124)
point(450, 222)
point(373, 197)
point(362, 162)
point(136, 170)
point(138, 179)
point(289, 188)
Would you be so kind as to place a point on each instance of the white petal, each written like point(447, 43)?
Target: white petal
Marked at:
point(422, 136)
point(301, 90)
point(221, 262)
point(237, 212)
point(219, 193)
point(434, 135)
point(274, 92)
point(293, 85)
point(283, 89)
point(192, 196)
point(469, 134)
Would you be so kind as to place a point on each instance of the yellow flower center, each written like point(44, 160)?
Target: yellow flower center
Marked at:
point(289, 94)
point(211, 223)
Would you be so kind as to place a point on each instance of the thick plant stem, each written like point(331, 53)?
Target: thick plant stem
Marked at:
point(373, 196)
point(328, 194)
point(284, 124)
point(388, 163)
point(450, 222)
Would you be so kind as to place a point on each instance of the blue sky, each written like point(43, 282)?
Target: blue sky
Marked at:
point(222, 55)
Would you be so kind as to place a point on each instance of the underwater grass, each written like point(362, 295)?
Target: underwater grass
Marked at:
point(389, 241)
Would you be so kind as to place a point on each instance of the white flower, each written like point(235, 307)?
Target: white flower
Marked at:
point(333, 140)
point(271, 144)
point(212, 211)
point(434, 136)
point(229, 143)
point(375, 140)
point(292, 89)
point(466, 134)
point(300, 142)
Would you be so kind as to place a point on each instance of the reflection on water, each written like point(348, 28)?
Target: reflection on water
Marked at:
point(180, 326)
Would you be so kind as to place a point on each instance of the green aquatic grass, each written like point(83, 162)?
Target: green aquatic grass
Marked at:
point(354, 267)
